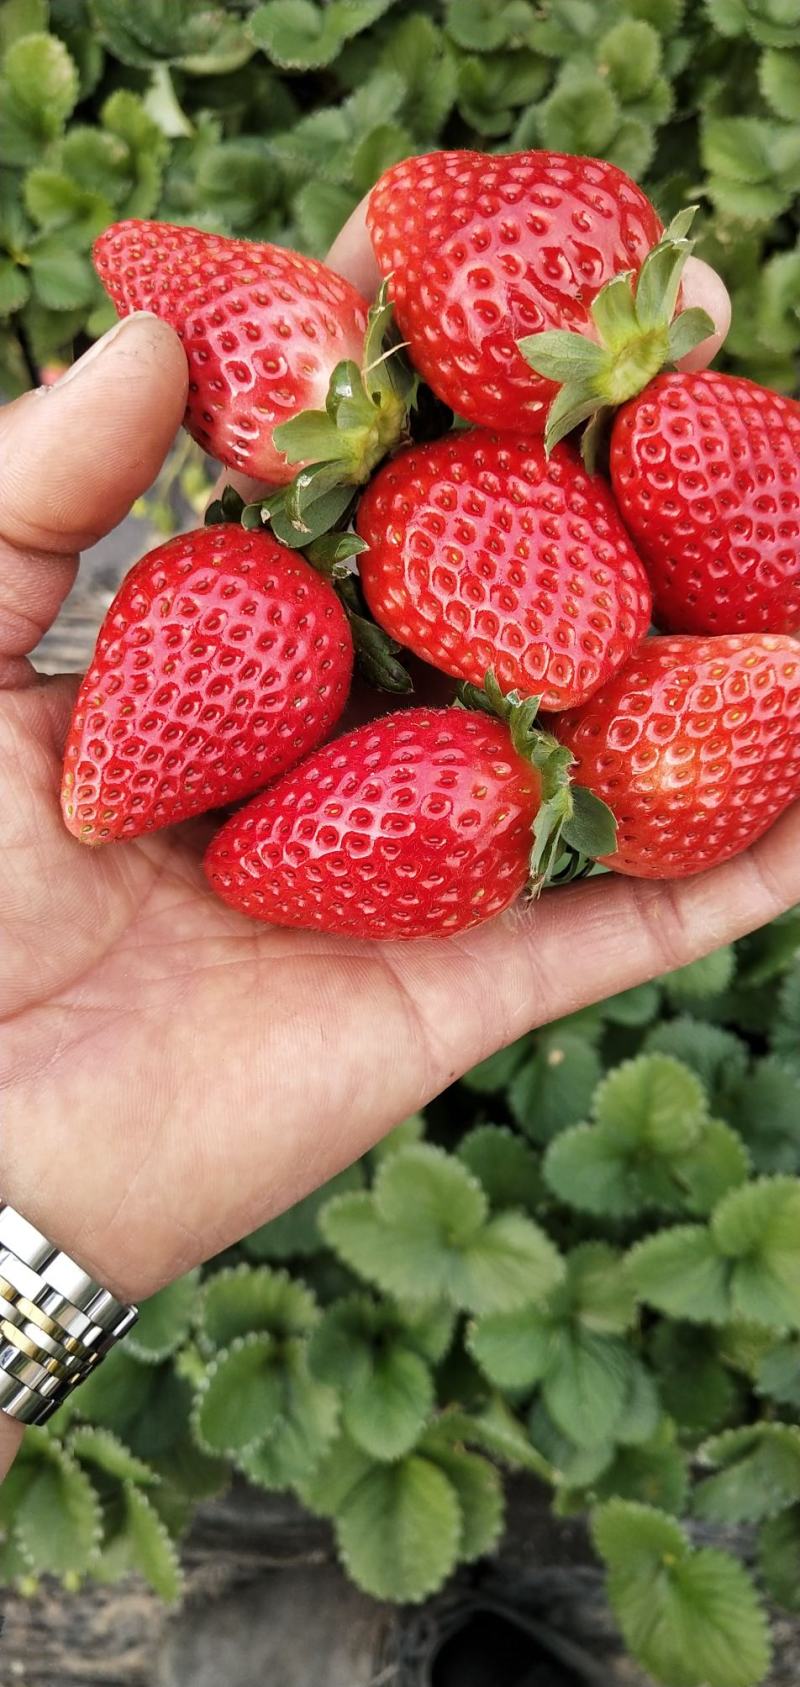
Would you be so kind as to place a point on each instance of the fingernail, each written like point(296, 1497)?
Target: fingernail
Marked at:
point(99, 347)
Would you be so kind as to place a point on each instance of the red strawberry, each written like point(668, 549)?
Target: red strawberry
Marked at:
point(695, 745)
point(416, 825)
point(223, 659)
point(706, 470)
point(262, 328)
point(484, 555)
point(482, 250)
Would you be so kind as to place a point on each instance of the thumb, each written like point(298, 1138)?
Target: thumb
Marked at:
point(74, 456)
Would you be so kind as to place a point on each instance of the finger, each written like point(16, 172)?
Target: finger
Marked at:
point(10, 1437)
point(702, 288)
point(351, 254)
point(72, 459)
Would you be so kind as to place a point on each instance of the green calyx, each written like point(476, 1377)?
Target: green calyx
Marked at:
point(573, 827)
point(637, 332)
point(365, 416)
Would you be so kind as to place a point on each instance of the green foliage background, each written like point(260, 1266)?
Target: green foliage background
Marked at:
point(584, 1263)
point(271, 120)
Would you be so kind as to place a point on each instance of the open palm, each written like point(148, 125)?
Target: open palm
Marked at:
point(171, 1074)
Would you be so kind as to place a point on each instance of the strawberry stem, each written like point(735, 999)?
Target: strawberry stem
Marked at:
point(572, 827)
point(636, 337)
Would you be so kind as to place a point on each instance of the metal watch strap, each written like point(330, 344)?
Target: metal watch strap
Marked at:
point(56, 1322)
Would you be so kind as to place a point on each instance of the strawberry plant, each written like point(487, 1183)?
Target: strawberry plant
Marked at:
point(585, 1268)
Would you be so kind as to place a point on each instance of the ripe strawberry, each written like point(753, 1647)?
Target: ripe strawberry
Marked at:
point(484, 555)
point(262, 328)
point(418, 824)
point(223, 659)
point(695, 745)
point(482, 250)
point(706, 471)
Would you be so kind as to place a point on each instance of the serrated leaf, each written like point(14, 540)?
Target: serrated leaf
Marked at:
point(779, 1558)
point(586, 1386)
point(296, 1232)
point(555, 1087)
point(718, 1056)
point(681, 1273)
point(439, 1189)
point(737, 148)
point(298, 35)
point(399, 1530)
point(116, 1392)
point(653, 1100)
point(152, 1552)
point(61, 277)
point(495, 1430)
point(479, 1491)
point(21, 17)
point(505, 1167)
point(303, 1430)
point(244, 1298)
point(484, 25)
point(580, 116)
point(164, 1320)
point(328, 1481)
point(759, 1474)
point(14, 287)
point(570, 1466)
point(642, 1409)
point(240, 1397)
point(630, 55)
point(42, 81)
point(696, 1389)
point(404, 1135)
point(717, 1163)
point(654, 1473)
point(386, 1410)
point(708, 976)
point(513, 1349)
point(778, 1373)
point(104, 1450)
point(691, 1618)
point(600, 1289)
point(757, 1228)
point(510, 1261)
point(58, 1520)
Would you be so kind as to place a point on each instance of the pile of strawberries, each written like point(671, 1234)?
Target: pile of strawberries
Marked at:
point(535, 295)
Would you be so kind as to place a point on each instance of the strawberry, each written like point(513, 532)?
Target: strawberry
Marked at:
point(695, 745)
point(267, 334)
point(483, 250)
point(706, 471)
point(222, 660)
point(416, 825)
point(484, 555)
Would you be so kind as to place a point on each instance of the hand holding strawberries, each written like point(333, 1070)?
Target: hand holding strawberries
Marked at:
point(214, 1068)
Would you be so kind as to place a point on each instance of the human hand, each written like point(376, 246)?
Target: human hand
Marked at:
point(172, 1074)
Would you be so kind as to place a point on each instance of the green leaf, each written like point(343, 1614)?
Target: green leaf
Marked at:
point(164, 1320)
point(513, 1349)
point(587, 1385)
point(105, 1451)
point(441, 1192)
point(778, 1373)
point(737, 148)
point(296, 1232)
point(759, 1474)
point(298, 35)
point(509, 1262)
point(600, 1289)
point(404, 1135)
point(505, 1167)
point(554, 1089)
point(55, 201)
point(328, 1481)
point(682, 1273)
point(779, 1558)
point(58, 1520)
point(691, 1618)
point(654, 1101)
point(580, 116)
point(717, 1163)
point(758, 1229)
point(696, 1389)
point(718, 1056)
point(708, 976)
point(654, 1473)
point(42, 82)
point(151, 1550)
point(385, 1411)
point(302, 1432)
point(479, 1491)
point(481, 26)
point(21, 17)
point(14, 287)
point(60, 276)
point(240, 1396)
point(569, 1466)
point(630, 55)
point(116, 1392)
point(495, 1430)
point(242, 1299)
point(322, 208)
point(416, 51)
point(399, 1530)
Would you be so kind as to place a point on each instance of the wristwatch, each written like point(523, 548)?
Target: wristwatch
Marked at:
point(56, 1322)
